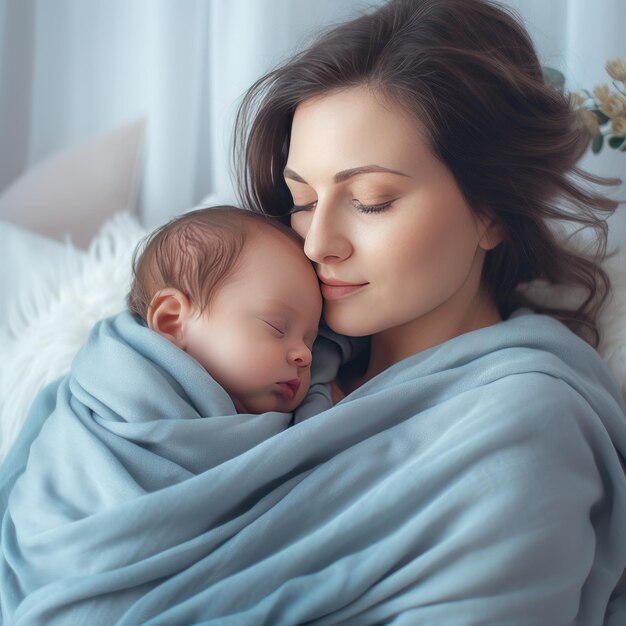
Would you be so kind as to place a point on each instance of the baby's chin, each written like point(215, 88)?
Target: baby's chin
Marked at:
point(270, 402)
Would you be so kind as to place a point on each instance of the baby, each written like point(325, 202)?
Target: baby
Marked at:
point(235, 291)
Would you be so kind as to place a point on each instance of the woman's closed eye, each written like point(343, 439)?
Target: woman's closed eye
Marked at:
point(370, 208)
point(357, 204)
point(296, 208)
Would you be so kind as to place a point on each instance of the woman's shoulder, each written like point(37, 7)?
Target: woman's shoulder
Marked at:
point(529, 342)
point(537, 421)
point(531, 405)
point(528, 381)
point(551, 375)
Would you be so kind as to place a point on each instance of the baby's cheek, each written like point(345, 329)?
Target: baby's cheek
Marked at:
point(304, 385)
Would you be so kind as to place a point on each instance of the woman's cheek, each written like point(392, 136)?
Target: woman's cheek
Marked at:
point(300, 222)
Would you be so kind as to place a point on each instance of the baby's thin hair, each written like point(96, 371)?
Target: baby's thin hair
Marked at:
point(194, 253)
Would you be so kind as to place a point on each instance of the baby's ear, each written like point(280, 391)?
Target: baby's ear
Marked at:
point(168, 313)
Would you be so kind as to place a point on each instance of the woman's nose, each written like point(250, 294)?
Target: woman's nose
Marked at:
point(299, 355)
point(325, 237)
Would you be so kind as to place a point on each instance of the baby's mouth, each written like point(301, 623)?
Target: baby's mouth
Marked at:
point(289, 388)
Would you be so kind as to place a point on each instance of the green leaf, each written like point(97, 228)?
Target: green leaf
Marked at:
point(553, 77)
point(598, 142)
point(602, 118)
point(616, 142)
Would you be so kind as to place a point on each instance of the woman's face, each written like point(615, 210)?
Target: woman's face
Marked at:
point(392, 237)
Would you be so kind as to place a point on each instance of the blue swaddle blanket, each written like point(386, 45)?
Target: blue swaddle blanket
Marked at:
point(479, 482)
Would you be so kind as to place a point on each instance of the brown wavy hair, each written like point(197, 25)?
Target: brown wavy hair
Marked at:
point(468, 71)
point(194, 253)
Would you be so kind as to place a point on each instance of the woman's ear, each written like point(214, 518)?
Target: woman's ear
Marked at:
point(493, 233)
point(168, 313)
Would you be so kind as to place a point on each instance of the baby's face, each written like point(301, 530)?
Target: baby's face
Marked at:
point(255, 338)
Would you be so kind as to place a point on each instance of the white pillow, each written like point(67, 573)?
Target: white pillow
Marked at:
point(23, 256)
point(47, 318)
point(74, 191)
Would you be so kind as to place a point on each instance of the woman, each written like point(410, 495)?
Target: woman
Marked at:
point(473, 473)
point(424, 162)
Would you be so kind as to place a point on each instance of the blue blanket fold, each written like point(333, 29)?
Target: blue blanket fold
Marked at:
point(479, 482)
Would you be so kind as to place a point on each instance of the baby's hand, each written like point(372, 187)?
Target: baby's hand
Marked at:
point(336, 393)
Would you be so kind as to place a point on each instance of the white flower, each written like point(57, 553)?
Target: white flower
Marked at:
point(616, 69)
point(576, 100)
point(601, 92)
point(614, 105)
point(618, 125)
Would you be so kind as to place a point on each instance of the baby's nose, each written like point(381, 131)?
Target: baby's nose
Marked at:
point(300, 355)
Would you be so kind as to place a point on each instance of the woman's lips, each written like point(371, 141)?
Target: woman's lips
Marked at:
point(336, 289)
point(289, 388)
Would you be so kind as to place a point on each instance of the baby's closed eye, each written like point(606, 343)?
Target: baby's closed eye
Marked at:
point(275, 327)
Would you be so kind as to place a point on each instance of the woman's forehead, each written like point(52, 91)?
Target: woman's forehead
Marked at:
point(353, 128)
point(356, 105)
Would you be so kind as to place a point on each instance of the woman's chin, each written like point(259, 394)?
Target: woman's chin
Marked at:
point(349, 325)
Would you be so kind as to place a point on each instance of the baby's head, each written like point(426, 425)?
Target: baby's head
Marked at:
point(236, 292)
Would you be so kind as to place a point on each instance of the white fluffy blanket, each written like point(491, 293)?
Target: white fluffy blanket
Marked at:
point(51, 317)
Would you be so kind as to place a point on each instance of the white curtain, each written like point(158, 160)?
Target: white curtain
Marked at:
point(578, 37)
point(70, 69)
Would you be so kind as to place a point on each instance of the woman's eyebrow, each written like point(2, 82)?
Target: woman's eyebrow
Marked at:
point(289, 173)
point(365, 169)
point(344, 175)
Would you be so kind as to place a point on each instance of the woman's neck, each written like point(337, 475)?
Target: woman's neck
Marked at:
point(437, 326)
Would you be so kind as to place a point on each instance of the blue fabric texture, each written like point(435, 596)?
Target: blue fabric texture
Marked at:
point(479, 482)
